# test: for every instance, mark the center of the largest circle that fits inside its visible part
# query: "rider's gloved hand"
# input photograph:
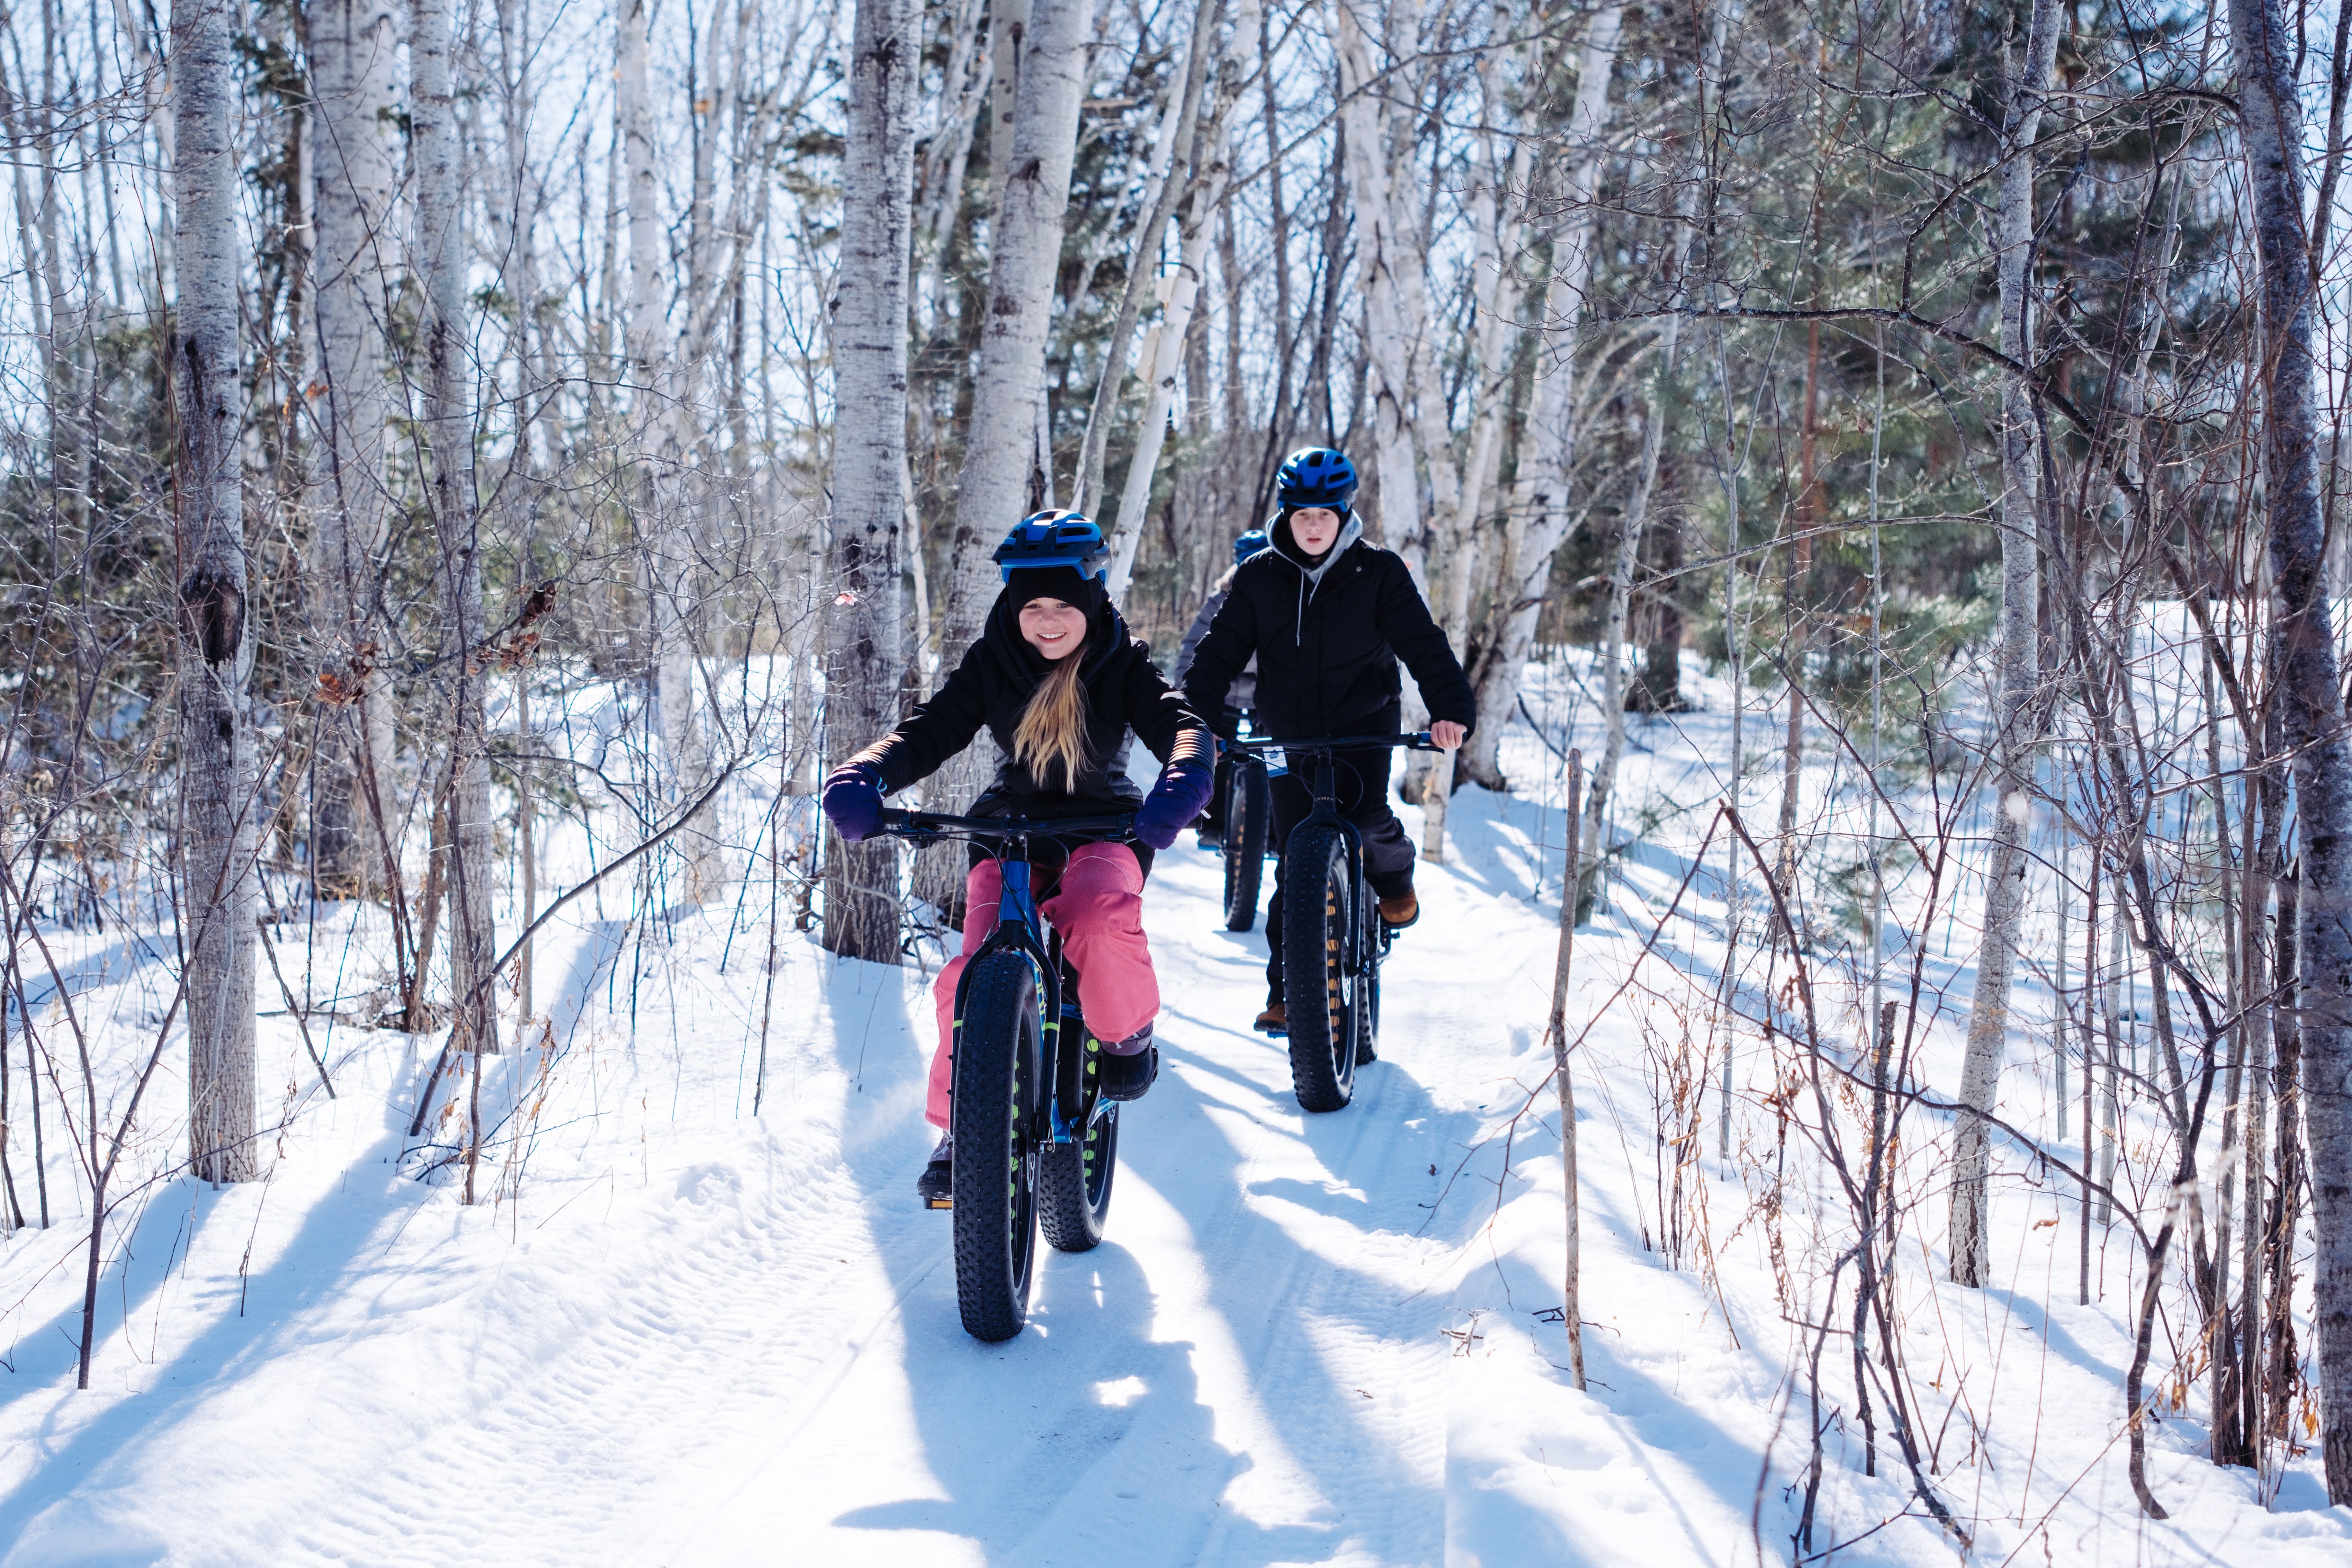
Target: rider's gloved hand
(1183, 788)
(853, 799)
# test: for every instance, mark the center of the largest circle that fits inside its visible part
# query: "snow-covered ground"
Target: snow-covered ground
(675, 1333)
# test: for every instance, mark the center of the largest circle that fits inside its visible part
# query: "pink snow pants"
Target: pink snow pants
(1098, 906)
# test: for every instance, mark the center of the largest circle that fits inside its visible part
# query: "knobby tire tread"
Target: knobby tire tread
(995, 1260)
(1073, 1220)
(1315, 937)
(1248, 808)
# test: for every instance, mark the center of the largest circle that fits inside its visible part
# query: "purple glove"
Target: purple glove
(1183, 788)
(853, 799)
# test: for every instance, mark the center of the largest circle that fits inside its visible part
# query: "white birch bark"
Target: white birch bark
(448, 426)
(1538, 516)
(354, 81)
(1035, 149)
(1213, 166)
(666, 541)
(1008, 54)
(1178, 129)
(864, 640)
(217, 788)
(1389, 265)
(2263, 45)
(970, 71)
(2013, 674)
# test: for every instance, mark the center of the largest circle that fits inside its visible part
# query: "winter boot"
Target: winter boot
(1129, 1067)
(936, 1186)
(1399, 912)
(1273, 1021)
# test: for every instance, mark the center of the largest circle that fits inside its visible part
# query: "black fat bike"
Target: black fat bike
(1248, 832)
(1035, 1143)
(1333, 939)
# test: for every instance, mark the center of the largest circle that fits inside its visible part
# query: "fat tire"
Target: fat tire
(1373, 946)
(998, 1059)
(1318, 982)
(1073, 1180)
(1248, 808)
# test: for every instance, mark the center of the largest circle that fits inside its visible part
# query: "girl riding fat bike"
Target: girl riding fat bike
(1059, 682)
(1327, 616)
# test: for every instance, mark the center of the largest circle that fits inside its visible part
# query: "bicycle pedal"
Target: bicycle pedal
(938, 1203)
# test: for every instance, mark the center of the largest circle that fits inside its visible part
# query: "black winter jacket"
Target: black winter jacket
(992, 687)
(1242, 693)
(1327, 643)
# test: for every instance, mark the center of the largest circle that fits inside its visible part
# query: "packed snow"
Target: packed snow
(675, 1332)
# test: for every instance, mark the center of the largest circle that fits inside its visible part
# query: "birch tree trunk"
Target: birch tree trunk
(1620, 600)
(217, 788)
(2265, 47)
(351, 46)
(1388, 264)
(448, 427)
(1539, 515)
(969, 71)
(1143, 256)
(2013, 674)
(863, 640)
(665, 542)
(1042, 64)
(1211, 166)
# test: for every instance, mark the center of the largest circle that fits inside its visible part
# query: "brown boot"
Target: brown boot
(1273, 1021)
(1399, 912)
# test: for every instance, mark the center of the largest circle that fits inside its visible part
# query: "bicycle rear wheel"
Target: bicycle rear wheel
(1371, 944)
(1248, 809)
(1074, 1178)
(1319, 981)
(998, 1054)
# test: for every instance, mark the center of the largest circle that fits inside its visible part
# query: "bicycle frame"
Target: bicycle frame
(1325, 788)
(1021, 927)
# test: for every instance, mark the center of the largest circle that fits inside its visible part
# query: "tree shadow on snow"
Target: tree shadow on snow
(79, 1461)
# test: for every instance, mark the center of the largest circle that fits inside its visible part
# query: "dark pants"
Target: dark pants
(1361, 791)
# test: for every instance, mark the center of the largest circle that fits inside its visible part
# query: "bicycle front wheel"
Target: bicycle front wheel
(998, 1053)
(1319, 982)
(1248, 809)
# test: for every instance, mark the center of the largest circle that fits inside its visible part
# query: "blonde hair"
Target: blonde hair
(1052, 728)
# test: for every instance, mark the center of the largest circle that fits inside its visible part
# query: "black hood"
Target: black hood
(1105, 634)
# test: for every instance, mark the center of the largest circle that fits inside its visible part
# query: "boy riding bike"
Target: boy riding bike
(1326, 617)
(1059, 683)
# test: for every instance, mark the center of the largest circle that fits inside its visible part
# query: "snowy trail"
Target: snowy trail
(689, 1336)
(1235, 1361)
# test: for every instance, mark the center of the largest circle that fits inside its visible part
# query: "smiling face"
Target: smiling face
(1315, 528)
(1055, 629)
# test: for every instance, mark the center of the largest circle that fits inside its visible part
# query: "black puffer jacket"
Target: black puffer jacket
(993, 687)
(1242, 693)
(1327, 639)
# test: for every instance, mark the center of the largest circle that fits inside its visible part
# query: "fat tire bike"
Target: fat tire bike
(1037, 1144)
(1333, 939)
(1248, 826)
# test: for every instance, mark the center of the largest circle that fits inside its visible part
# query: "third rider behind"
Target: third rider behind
(1326, 617)
(1241, 696)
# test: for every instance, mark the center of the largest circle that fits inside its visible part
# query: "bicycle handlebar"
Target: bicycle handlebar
(1417, 741)
(926, 824)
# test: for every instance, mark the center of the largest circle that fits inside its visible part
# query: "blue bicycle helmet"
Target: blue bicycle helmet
(1055, 538)
(1316, 477)
(1253, 542)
